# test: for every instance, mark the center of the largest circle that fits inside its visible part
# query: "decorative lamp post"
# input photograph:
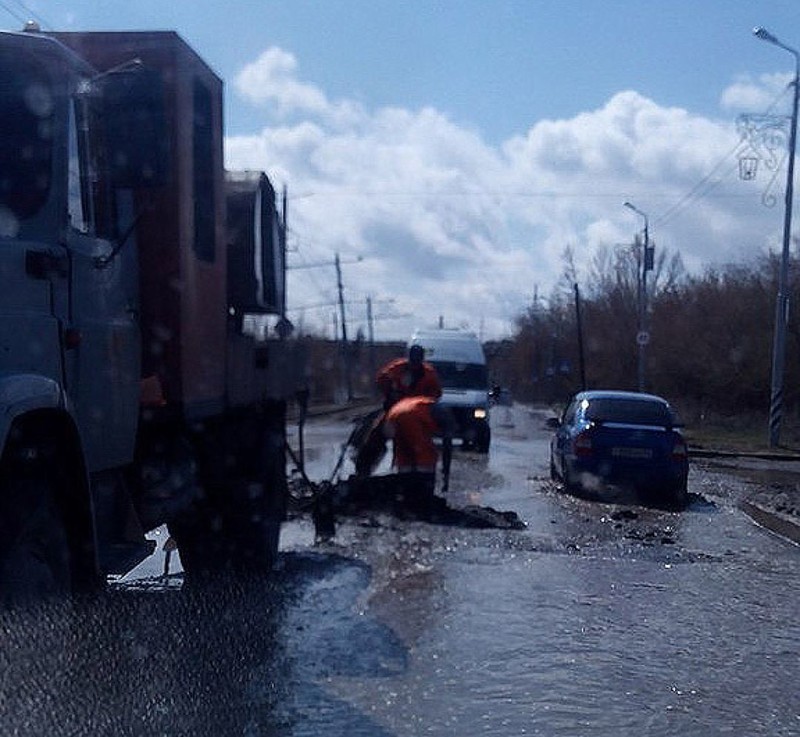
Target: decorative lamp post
(782, 302)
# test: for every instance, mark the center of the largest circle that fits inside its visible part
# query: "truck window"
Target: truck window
(89, 200)
(78, 217)
(26, 143)
(203, 167)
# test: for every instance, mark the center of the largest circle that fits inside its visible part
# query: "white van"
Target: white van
(460, 362)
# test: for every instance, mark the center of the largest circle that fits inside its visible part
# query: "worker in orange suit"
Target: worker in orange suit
(408, 377)
(400, 378)
(412, 423)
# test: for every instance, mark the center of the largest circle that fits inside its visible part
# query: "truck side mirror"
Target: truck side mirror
(135, 125)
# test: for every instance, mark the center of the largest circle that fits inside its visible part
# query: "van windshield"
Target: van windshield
(454, 375)
(26, 144)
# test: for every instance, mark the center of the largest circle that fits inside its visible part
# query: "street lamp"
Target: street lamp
(642, 336)
(782, 302)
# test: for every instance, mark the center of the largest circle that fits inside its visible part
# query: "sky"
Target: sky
(449, 151)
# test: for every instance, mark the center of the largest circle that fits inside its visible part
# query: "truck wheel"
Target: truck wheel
(34, 550)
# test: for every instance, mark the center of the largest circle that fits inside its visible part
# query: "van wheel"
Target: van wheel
(34, 549)
(484, 439)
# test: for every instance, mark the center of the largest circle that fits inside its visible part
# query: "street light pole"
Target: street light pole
(782, 301)
(643, 336)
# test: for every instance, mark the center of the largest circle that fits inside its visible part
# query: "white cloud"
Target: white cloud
(450, 225)
(755, 95)
(271, 80)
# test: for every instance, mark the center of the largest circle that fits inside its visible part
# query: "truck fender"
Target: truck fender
(24, 393)
(34, 408)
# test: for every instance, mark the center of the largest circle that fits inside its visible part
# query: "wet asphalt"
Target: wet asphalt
(597, 618)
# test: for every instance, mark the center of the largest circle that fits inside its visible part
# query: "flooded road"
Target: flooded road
(596, 619)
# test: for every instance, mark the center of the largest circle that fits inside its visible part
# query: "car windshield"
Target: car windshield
(634, 411)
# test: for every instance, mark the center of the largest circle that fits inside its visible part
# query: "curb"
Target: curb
(758, 456)
(325, 410)
(774, 522)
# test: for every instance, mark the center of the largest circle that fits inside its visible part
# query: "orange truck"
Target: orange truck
(133, 393)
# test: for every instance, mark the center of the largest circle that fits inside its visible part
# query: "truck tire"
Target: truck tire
(34, 549)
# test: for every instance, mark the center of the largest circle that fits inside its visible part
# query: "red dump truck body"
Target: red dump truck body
(181, 233)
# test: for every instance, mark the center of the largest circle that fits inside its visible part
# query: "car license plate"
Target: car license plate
(639, 453)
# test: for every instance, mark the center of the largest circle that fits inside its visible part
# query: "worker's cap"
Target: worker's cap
(416, 354)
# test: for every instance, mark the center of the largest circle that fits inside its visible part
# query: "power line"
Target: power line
(705, 185)
(22, 20)
(31, 15)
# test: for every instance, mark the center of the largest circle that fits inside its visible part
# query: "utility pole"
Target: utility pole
(337, 262)
(643, 335)
(345, 348)
(283, 245)
(580, 336)
(371, 338)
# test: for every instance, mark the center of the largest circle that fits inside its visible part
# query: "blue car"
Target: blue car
(620, 439)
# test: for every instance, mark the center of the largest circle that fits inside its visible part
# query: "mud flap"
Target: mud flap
(234, 524)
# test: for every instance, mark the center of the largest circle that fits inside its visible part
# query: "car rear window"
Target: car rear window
(634, 411)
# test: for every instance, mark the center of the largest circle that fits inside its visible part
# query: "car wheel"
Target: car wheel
(570, 485)
(679, 497)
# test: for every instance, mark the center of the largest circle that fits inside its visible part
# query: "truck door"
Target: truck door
(103, 358)
(33, 265)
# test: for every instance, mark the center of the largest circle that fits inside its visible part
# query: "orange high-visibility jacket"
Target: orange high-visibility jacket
(410, 423)
(396, 380)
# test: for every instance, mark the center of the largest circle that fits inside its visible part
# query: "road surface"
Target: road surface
(596, 619)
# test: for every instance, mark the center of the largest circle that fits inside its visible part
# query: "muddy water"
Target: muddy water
(599, 618)
(596, 619)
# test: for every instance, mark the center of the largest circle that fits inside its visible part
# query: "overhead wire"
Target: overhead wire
(20, 19)
(31, 14)
(705, 185)
(325, 293)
